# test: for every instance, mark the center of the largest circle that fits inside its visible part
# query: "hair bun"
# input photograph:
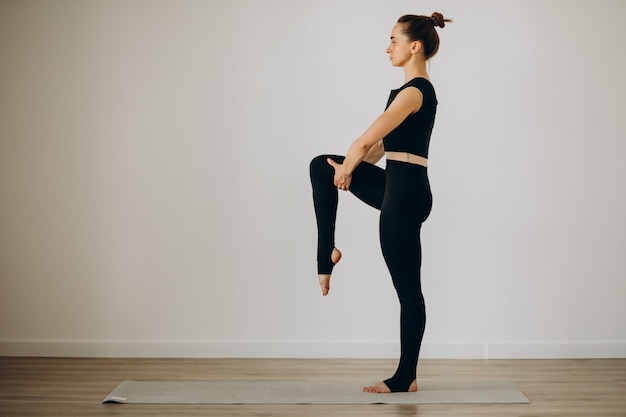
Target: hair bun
(438, 20)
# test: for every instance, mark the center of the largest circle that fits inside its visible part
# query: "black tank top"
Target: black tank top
(413, 134)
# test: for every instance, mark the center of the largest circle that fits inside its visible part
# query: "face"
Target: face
(401, 49)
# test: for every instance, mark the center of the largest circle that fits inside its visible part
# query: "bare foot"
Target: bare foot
(335, 256)
(382, 388)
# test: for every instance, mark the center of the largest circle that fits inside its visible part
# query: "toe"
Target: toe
(324, 284)
(379, 388)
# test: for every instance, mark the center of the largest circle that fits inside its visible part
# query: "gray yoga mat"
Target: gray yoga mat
(430, 392)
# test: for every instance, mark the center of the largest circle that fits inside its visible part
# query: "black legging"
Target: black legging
(402, 194)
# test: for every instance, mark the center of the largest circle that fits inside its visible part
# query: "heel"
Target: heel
(335, 256)
(325, 265)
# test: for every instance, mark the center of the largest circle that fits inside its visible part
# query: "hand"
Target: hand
(342, 179)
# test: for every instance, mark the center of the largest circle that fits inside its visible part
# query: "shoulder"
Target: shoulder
(408, 100)
(424, 86)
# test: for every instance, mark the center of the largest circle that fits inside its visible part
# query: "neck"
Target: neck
(415, 69)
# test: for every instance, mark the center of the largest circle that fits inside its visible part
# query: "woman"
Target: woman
(401, 191)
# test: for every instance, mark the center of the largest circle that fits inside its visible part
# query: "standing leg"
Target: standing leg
(406, 205)
(403, 256)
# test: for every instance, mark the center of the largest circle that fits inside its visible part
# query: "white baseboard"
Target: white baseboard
(367, 350)
(557, 350)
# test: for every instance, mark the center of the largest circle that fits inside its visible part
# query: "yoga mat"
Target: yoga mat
(430, 392)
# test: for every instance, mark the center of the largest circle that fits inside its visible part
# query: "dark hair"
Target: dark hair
(422, 28)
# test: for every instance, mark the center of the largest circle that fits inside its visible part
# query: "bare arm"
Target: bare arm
(407, 102)
(375, 153)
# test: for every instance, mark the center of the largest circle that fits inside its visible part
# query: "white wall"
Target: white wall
(154, 191)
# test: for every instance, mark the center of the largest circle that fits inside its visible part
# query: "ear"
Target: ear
(416, 47)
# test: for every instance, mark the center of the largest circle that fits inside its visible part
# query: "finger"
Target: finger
(332, 163)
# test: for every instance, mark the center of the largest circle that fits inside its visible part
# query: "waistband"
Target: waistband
(406, 157)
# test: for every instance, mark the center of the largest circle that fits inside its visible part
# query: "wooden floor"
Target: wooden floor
(75, 387)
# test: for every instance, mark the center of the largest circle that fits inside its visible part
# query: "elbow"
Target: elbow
(362, 146)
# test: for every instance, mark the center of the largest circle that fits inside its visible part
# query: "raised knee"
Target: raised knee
(318, 163)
